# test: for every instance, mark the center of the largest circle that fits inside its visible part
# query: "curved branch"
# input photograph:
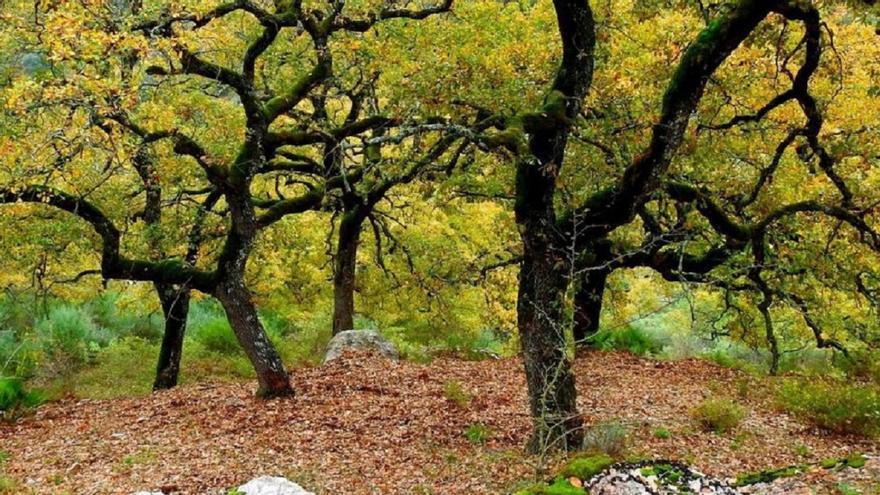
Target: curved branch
(366, 23)
(113, 265)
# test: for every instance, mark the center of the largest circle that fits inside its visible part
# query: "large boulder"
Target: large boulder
(272, 485)
(655, 478)
(370, 340)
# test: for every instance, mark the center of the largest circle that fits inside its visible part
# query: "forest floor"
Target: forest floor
(369, 426)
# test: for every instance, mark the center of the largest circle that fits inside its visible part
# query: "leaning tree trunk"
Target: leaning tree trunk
(175, 307)
(236, 299)
(244, 320)
(588, 305)
(344, 272)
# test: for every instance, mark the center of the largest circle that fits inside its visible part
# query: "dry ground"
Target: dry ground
(368, 426)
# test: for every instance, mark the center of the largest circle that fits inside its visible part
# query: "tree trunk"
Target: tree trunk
(772, 342)
(236, 299)
(344, 272)
(588, 305)
(243, 318)
(551, 384)
(175, 307)
(542, 279)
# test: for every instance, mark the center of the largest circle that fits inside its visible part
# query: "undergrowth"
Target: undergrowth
(848, 408)
(630, 339)
(718, 415)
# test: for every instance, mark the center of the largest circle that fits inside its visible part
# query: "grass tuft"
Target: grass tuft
(718, 415)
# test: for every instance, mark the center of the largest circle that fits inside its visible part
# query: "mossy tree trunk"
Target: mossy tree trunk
(175, 308)
(544, 271)
(238, 303)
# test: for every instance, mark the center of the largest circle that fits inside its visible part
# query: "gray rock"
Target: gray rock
(272, 485)
(655, 478)
(362, 340)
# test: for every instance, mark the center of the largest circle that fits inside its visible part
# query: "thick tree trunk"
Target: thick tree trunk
(588, 305)
(542, 280)
(236, 299)
(551, 384)
(344, 272)
(175, 307)
(243, 318)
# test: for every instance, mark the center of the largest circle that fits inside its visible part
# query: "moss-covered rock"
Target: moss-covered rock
(768, 475)
(854, 461)
(586, 466)
(560, 486)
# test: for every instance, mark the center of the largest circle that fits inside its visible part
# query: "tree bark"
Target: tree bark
(236, 299)
(588, 305)
(175, 307)
(242, 314)
(551, 384)
(345, 271)
(543, 274)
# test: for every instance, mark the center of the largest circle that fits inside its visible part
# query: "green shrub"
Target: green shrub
(421, 341)
(486, 343)
(17, 314)
(454, 392)
(722, 358)
(277, 326)
(303, 344)
(863, 365)
(69, 336)
(108, 311)
(478, 433)
(833, 405)
(19, 356)
(202, 311)
(200, 363)
(718, 415)
(14, 398)
(608, 437)
(631, 339)
(125, 368)
(217, 336)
